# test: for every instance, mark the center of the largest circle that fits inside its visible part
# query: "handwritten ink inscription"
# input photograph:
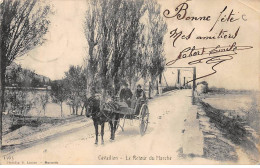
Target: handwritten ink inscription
(214, 55)
(181, 12)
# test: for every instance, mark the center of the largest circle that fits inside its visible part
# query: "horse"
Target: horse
(101, 116)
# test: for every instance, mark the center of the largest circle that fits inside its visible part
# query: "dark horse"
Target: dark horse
(100, 117)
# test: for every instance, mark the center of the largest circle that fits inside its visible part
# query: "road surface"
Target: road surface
(162, 143)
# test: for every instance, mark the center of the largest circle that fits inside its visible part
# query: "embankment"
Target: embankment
(233, 128)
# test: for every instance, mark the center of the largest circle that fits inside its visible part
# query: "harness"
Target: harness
(110, 106)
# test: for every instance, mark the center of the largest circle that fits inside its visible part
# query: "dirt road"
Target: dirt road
(162, 143)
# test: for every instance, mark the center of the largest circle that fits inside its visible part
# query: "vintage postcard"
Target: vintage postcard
(130, 82)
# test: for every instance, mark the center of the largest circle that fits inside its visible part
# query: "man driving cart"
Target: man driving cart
(126, 95)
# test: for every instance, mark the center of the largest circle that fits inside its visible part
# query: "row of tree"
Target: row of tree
(125, 43)
(71, 90)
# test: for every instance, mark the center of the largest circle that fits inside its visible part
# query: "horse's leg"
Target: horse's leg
(96, 131)
(112, 130)
(115, 124)
(102, 133)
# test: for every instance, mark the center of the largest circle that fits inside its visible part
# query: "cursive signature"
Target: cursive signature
(220, 55)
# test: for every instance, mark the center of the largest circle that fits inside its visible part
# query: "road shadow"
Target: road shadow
(131, 130)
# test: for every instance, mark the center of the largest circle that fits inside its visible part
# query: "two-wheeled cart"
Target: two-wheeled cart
(139, 112)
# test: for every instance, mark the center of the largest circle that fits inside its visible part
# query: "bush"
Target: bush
(169, 88)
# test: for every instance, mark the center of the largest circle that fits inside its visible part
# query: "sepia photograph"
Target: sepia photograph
(129, 82)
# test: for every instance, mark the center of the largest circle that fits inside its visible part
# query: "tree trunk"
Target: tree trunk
(77, 107)
(44, 111)
(2, 93)
(82, 110)
(73, 110)
(160, 84)
(151, 87)
(61, 112)
(1, 104)
(150, 90)
(157, 87)
(2, 76)
(103, 99)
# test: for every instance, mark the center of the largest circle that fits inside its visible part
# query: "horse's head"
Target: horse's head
(88, 110)
(92, 107)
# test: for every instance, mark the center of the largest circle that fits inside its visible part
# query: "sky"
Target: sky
(66, 44)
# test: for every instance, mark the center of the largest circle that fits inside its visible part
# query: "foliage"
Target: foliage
(121, 45)
(18, 100)
(76, 84)
(169, 88)
(22, 77)
(156, 31)
(23, 23)
(59, 92)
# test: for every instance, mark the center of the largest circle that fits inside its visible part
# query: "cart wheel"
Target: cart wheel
(121, 124)
(143, 119)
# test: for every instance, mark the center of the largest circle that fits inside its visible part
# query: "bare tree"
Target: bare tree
(126, 30)
(110, 29)
(145, 57)
(44, 98)
(99, 34)
(23, 25)
(134, 65)
(92, 33)
(156, 31)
